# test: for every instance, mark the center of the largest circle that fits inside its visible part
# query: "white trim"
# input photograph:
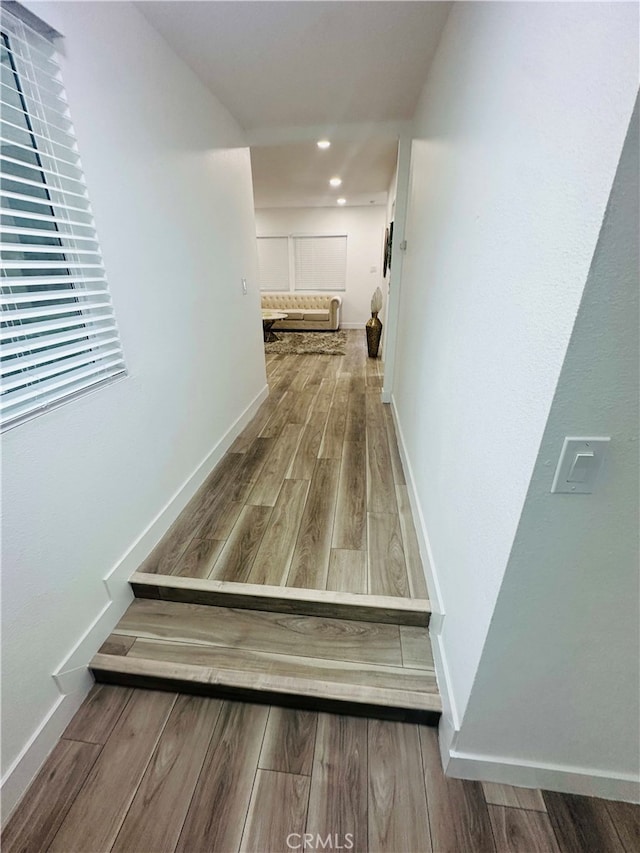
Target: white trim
(450, 720)
(353, 325)
(72, 678)
(554, 777)
(435, 596)
(26, 766)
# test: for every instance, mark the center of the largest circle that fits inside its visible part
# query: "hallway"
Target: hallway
(149, 772)
(312, 494)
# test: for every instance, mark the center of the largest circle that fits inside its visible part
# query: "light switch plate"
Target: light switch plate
(579, 464)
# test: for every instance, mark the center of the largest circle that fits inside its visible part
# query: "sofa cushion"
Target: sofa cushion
(292, 315)
(316, 314)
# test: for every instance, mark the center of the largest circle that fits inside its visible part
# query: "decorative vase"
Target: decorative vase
(373, 329)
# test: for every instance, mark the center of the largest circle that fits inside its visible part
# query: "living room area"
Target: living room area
(324, 222)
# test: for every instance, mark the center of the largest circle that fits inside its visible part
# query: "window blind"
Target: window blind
(58, 333)
(273, 263)
(320, 262)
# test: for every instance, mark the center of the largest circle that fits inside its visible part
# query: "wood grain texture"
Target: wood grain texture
(397, 815)
(458, 814)
(333, 438)
(116, 645)
(289, 741)
(512, 797)
(350, 527)
(37, 818)
(265, 491)
(277, 812)
(251, 466)
(396, 462)
(347, 571)
(325, 394)
(309, 636)
(387, 570)
(356, 425)
(220, 525)
(522, 831)
(303, 693)
(310, 562)
(287, 665)
(236, 557)
(99, 712)
(160, 805)
(246, 438)
(94, 819)
(199, 558)
(272, 561)
(626, 819)
(582, 824)
(197, 512)
(381, 492)
(276, 423)
(413, 561)
(312, 602)
(300, 406)
(338, 796)
(416, 648)
(220, 801)
(306, 455)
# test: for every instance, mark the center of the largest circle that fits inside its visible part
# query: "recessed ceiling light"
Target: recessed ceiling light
(335, 182)
(323, 143)
(342, 201)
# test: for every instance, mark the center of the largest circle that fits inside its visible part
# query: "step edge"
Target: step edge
(375, 608)
(236, 679)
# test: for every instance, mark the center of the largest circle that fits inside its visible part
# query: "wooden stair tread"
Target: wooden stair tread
(308, 688)
(295, 659)
(284, 633)
(285, 665)
(318, 602)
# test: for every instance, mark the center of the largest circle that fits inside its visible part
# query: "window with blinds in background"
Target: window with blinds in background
(58, 333)
(320, 263)
(273, 263)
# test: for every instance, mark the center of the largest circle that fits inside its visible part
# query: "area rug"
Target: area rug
(308, 343)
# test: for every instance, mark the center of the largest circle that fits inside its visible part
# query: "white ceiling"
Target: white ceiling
(298, 175)
(283, 67)
(305, 63)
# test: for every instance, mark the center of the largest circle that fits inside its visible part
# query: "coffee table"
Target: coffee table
(268, 319)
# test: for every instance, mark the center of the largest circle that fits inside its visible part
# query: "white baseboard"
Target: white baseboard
(353, 325)
(465, 765)
(24, 769)
(72, 678)
(435, 596)
(450, 720)
(528, 774)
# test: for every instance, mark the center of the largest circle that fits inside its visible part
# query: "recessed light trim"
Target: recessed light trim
(335, 182)
(323, 143)
(341, 201)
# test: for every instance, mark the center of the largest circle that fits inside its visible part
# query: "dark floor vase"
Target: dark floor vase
(374, 333)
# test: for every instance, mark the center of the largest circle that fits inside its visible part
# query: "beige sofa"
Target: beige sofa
(305, 313)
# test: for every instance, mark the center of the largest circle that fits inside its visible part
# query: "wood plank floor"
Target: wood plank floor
(181, 773)
(312, 494)
(321, 662)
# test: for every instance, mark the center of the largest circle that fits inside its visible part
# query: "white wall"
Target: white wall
(520, 129)
(172, 197)
(364, 227)
(562, 649)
